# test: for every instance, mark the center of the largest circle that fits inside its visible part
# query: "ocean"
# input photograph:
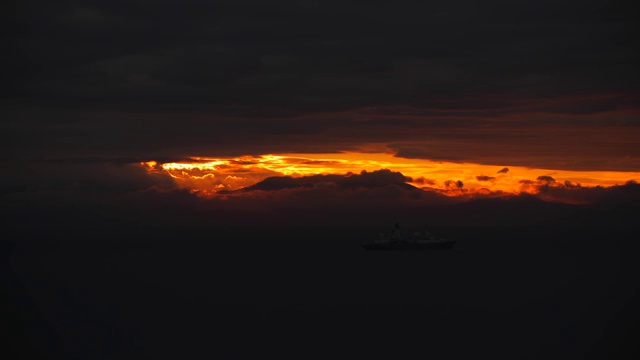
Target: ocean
(168, 293)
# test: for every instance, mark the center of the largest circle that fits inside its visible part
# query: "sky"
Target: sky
(313, 112)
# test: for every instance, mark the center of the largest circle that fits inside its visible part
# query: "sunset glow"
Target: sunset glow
(207, 176)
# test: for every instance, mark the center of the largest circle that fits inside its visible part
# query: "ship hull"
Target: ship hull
(435, 245)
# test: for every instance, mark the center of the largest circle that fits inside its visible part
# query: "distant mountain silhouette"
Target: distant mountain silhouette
(374, 179)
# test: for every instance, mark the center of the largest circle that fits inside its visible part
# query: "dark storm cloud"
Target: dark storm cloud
(241, 55)
(149, 79)
(516, 140)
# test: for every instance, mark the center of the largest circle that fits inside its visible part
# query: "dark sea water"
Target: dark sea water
(512, 293)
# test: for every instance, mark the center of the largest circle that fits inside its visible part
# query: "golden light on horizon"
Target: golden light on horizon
(207, 176)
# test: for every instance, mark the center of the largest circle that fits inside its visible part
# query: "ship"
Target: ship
(398, 239)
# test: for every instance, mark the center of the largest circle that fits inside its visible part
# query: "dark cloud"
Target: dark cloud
(546, 179)
(548, 189)
(503, 171)
(36, 133)
(335, 54)
(110, 194)
(574, 193)
(284, 58)
(374, 179)
(485, 178)
(423, 181)
(454, 184)
(83, 177)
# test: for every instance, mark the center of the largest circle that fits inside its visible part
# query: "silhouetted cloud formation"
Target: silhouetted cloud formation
(109, 193)
(421, 180)
(546, 178)
(485, 178)
(454, 184)
(374, 179)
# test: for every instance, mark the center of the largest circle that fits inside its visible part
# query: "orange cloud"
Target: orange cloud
(93, 193)
(208, 177)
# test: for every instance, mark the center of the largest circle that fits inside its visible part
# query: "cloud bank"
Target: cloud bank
(115, 194)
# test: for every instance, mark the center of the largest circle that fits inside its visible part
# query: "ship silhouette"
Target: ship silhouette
(398, 239)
